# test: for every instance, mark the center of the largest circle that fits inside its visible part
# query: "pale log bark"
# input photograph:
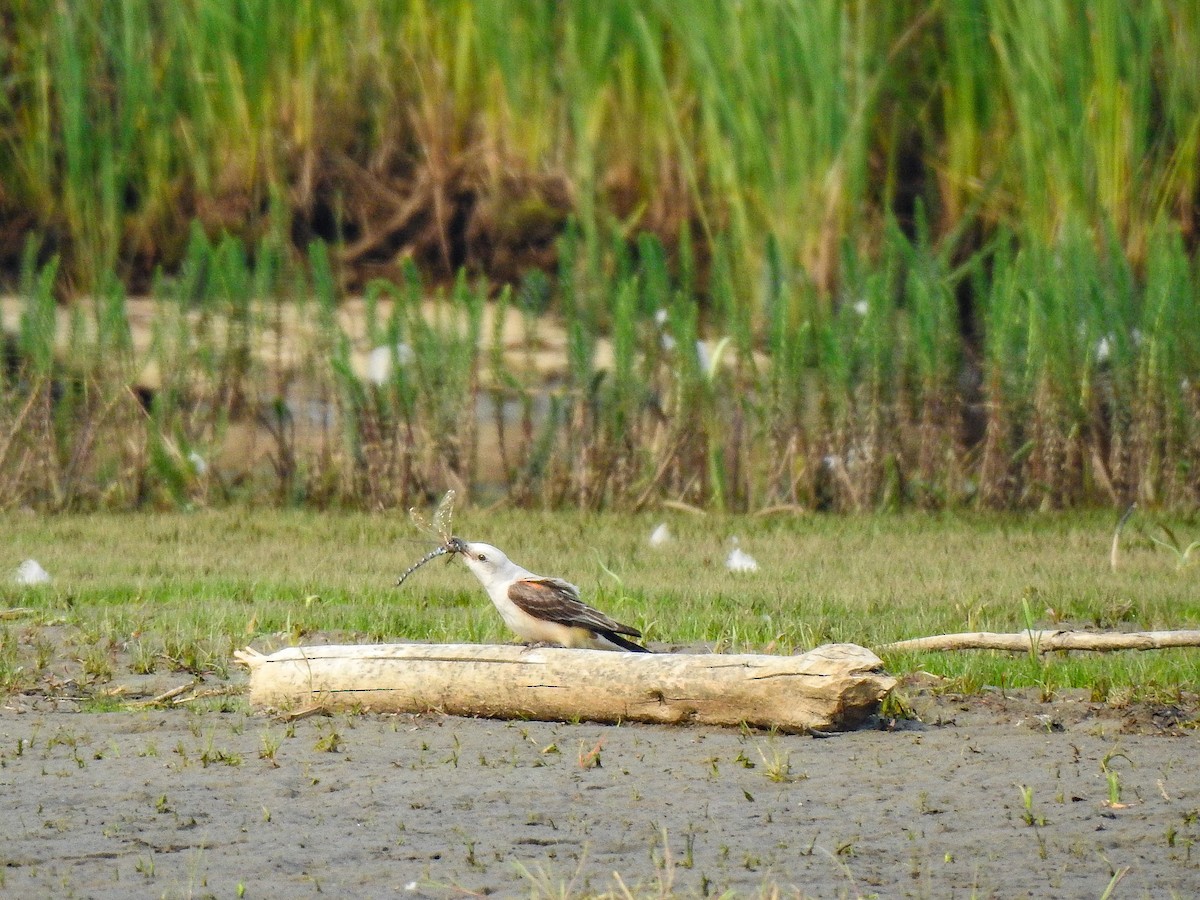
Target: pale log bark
(1049, 641)
(832, 687)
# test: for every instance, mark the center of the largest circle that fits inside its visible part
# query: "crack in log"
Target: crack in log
(458, 660)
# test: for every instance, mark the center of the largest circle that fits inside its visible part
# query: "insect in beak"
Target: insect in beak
(440, 529)
(453, 546)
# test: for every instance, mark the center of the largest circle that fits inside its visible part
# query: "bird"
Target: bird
(541, 609)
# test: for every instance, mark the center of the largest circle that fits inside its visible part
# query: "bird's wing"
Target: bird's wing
(555, 600)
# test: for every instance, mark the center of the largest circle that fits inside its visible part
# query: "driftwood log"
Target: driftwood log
(1049, 641)
(833, 687)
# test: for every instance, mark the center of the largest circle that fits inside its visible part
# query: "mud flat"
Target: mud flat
(992, 795)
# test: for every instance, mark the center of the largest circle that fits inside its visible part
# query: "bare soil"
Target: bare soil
(185, 801)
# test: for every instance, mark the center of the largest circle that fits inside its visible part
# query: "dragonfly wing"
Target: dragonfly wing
(444, 516)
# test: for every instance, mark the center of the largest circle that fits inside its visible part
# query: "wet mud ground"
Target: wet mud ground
(989, 796)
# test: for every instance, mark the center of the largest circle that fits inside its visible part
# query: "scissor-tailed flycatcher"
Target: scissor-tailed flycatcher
(542, 609)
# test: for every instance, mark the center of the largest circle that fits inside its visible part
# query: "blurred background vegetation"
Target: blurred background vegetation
(848, 255)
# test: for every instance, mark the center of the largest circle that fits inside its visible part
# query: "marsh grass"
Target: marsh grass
(940, 254)
(808, 121)
(196, 586)
(252, 378)
(936, 255)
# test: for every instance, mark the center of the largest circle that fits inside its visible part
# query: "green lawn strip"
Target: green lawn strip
(144, 594)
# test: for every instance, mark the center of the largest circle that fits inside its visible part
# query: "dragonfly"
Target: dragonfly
(438, 529)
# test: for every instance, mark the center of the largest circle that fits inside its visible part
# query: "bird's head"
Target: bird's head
(487, 562)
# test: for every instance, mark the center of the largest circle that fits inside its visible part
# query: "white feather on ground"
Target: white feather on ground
(31, 573)
(739, 560)
(660, 535)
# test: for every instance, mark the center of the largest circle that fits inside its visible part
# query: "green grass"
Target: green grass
(1084, 388)
(195, 587)
(807, 120)
(949, 246)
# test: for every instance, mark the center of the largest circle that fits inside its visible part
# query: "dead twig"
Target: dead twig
(307, 712)
(667, 459)
(225, 691)
(1116, 542)
(781, 509)
(168, 695)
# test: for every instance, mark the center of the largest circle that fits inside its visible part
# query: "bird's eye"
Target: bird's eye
(481, 558)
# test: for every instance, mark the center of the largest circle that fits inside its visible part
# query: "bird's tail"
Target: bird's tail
(624, 643)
